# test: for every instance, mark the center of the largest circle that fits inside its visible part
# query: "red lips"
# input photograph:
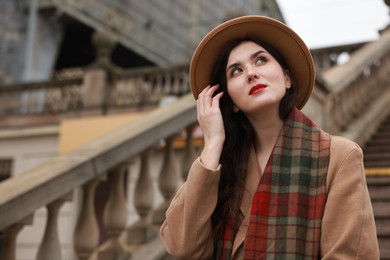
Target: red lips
(257, 88)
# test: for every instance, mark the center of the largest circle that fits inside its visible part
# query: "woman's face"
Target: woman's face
(255, 80)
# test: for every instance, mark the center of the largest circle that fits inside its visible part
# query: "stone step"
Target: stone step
(379, 164)
(373, 148)
(380, 193)
(384, 253)
(375, 163)
(383, 224)
(378, 186)
(378, 180)
(375, 156)
(382, 135)
(383, 233)
(384, 126)
(381, 209)
(384, 249)
(382, 230)
(380, 142)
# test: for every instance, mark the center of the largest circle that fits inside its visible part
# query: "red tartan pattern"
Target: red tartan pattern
(288, 204)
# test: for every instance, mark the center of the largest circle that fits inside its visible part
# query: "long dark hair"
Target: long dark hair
(239, 139)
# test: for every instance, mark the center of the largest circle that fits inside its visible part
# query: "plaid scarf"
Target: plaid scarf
(289, 202)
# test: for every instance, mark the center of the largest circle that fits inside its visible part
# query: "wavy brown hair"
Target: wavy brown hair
(239, 139)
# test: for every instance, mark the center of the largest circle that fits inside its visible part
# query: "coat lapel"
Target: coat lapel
(251, 183)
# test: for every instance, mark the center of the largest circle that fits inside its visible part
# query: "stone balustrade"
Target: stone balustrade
(108, 158)
(354, 86)
(41, 97)
(138, 87)
(77, 90)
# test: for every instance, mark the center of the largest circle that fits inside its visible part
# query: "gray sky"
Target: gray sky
(324, 23)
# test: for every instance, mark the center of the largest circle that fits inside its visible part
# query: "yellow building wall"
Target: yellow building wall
(76, 132)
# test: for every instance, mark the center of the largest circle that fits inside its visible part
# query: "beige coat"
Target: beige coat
(348, 227)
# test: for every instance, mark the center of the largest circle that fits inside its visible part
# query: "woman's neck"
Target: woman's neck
(266, 128)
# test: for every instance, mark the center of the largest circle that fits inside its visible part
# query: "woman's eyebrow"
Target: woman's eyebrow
(232, 66)
(253, 55)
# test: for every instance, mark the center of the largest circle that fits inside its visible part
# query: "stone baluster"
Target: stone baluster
(167, 83)
(50, 246)
(158, 85)
(181, 83)
(10, 234)
(175, 79)
(358, 96)
(349, 106)
(341, 111)
(178, 83)
(141, 232)
(385, 70)
(331, 120)
(189, 152)
(185, 82)
(360, 86)
(375, 82)
(367, 95)
(139, 94)
(115, 216)
(346, 107)
(86, 234)
(336, 114)
(167, 181)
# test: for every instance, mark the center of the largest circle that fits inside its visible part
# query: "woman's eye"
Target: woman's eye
(235, 71)
(260, 60)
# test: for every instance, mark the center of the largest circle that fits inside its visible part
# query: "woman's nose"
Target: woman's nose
(252, 76)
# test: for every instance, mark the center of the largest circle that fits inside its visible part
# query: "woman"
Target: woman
(269, 183)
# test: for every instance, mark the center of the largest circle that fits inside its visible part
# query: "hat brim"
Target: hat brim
(271, 31)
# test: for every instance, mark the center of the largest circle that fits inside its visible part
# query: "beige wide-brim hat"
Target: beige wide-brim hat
(271, 31)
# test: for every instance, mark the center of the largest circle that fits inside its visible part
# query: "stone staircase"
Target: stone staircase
(379, 188)
(377, 163)
(377, 149)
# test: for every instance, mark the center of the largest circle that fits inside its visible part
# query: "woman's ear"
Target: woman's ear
(235, 109)
(287, 79)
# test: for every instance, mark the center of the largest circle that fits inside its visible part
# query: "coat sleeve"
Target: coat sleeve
(187, 233)
(348, 227)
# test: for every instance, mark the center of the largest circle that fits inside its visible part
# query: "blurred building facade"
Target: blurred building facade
(60, 60)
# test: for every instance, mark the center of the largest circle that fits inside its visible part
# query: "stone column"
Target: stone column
(98, 77)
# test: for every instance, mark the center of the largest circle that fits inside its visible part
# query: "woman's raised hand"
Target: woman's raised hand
(211, 122)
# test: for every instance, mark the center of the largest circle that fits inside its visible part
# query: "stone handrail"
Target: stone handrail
(51, 183)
